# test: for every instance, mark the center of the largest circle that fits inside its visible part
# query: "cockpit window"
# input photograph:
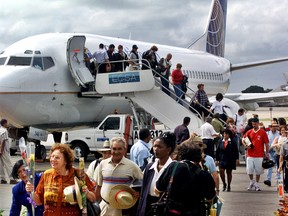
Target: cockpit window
(37, 63)
(48, 62)
(3, 60)
(23, 61)
(43, 63)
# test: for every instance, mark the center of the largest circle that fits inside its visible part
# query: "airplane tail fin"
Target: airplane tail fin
(213, 38)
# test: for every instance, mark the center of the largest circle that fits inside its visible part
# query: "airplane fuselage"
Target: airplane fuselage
(45, 96)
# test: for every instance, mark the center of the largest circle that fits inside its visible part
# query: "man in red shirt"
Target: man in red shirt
(255, 152)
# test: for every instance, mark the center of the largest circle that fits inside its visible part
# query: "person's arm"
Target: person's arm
(97, 193)
(275, 142)
(215, 177)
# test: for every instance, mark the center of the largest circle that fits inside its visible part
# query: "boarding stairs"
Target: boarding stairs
(144, 89)
(140, 86)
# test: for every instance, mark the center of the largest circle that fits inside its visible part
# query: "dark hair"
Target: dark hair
(282, 121)
(3, 121)
(227, 131)
(66, 151)
(144, 133)
(188, 151)
(111, 46)
(101, 45)
(15, 169)
(216, 115)
(186, 120)
(219, 96)
(169, 139)
(241, 110)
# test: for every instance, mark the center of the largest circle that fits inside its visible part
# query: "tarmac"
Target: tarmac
(238, 202)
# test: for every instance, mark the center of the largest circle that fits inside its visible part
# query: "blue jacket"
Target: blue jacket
(19, 198)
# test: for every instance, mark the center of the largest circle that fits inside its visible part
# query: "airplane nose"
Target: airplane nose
(9, 80)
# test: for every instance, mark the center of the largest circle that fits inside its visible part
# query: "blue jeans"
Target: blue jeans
(273, 157)
(178, 92)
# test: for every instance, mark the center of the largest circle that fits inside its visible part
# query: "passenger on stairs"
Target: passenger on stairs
(177, 77)
(134, 58)
(200, 101)
(120, 56)
(101, 58)
(165, 65)
(111, 55)
(150, 56)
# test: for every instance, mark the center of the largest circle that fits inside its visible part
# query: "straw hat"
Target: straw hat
(121, 197)
(197, 140)
(106, 146)
(72, 193)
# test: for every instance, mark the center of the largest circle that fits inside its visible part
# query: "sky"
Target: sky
(255, 30)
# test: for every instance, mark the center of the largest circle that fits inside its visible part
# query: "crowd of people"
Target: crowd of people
(180, 166)
(102, 61)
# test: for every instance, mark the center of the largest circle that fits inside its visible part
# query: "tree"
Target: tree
(256, 89)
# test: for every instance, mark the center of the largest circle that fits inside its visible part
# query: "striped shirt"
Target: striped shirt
(109, 175)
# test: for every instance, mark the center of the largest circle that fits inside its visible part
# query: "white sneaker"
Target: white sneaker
(257, 188)
(251, 186)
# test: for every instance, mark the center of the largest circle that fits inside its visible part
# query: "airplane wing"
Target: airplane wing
(249, 100)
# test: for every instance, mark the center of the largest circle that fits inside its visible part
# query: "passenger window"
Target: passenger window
(19, 61)
(112, 123)
(48, 62)
(37, 63)
(3, 60)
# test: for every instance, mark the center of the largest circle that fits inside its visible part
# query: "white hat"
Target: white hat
(121, 197)
(106, 146)
(72, 193)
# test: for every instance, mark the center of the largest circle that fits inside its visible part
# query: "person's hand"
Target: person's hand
(85, 190)
(216, 163)
(280, 169)
(136, 194)
(29, 187)
(267, 155)
(237, 162)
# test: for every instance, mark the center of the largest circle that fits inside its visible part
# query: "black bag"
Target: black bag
(93, 209)
(162, 206)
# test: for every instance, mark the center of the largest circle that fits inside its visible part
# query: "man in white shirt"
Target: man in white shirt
(208, 133)
(101, 57)
(240, 120)
(5, 161)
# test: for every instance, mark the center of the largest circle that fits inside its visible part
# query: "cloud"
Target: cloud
(256, 29)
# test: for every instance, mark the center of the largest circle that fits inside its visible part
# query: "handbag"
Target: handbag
(165, 206)
(93, 209)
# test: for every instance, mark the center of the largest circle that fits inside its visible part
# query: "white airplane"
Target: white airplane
(41, 76)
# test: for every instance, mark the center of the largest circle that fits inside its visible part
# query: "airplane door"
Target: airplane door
(75, 60)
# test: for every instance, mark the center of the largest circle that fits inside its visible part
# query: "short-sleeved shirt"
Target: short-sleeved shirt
(193, 190)
(50, 191)
(207, 131)
(284, 149)
(217, 107)
(109, 175)
(140, 151)
(101, 56)
(258, 138)
(210, 164)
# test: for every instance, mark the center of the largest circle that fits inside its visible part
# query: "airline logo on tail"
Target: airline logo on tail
(215, 43)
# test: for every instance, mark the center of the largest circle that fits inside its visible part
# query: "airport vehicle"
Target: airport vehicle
(42, 79)
(85, 141)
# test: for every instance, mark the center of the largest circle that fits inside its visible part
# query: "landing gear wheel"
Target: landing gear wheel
(40, 153)
(79, 151)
